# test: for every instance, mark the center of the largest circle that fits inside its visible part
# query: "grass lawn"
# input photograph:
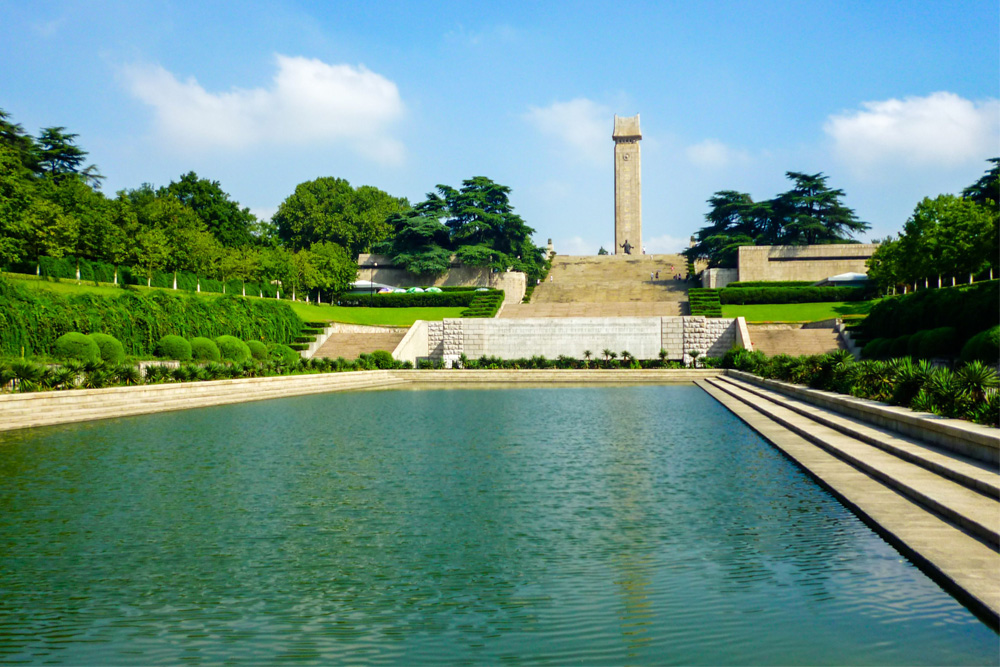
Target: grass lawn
(797, 312)
(399, 317)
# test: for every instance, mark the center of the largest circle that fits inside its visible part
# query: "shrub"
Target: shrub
(382, 359)
(916, 340)
(75, 345)
(174, 347)
(232, 348)
(751, 295)
(111, 348)
(283, 353)
(899, 347)
(940, 342)
(257, 349)
(969, 308)
(417, 300)
(204, 349)
(875, 349)
(984, 347)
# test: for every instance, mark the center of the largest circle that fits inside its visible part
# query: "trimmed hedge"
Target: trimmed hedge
(774, 295)
(984, 347)
(940, 342)
(705, 302)
(33, 320)
(174, 347)
(257, 349)
(204, 349)
(449, 299)
(875, 348)
(232, 348)
(283, 353)
(110, 347)
(75, 345)
(900, 347)
(485, 304)
(771, 283)
(968, 308)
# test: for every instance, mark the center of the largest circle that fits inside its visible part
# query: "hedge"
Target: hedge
(452, 299)
(75, 345)
(774, 283)
(232, 348)
(110, 347)
(753, 295)
(257, 349)
(968, 308)
(485, 304)
(705, 302)
(940, 342)
(283, 353)
(32, 321)
(174, 347)
(984, 347)
(204, 349)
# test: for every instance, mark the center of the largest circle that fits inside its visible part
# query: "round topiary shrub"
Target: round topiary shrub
(873, 349)
(382, 359)
(283, 353)
(232, 348)
(900, 346)
(257, 349)
(111, 349)
(916, 340)
(75, 345)
(940, 342)
(174, 347)
(984, 347)
(204, 349)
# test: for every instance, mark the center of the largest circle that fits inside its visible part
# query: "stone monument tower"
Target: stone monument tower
(628, 186)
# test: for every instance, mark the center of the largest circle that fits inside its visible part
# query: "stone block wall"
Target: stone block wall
(807, 262)
(718, 278)
(643, 337)
(513, 283)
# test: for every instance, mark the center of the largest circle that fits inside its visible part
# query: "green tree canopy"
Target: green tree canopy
(329, 209)
(231, 225)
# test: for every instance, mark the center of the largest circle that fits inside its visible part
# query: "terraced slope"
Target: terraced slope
(791, 340)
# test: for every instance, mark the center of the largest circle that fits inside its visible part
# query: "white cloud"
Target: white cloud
(713, 154)
(941, 129)
(581, 124)
(309, 103)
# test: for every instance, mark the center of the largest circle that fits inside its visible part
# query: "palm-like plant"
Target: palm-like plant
(28, 375)
(977, 380)
(608, 354)
(6, 375)
(63, 378)
(126, 374)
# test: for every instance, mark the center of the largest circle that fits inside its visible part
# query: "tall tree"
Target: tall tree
(231, 225)
(986, 191)
(813, 213)
(329, 209)
(58, 153)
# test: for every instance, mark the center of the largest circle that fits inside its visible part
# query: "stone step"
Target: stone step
(613, 279)
(976, 475)
(350, 345)
(970, 510)
(794, 342)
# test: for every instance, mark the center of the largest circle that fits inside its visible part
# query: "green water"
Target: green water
(631, 525)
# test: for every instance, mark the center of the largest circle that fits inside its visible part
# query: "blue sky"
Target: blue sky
(894, 101)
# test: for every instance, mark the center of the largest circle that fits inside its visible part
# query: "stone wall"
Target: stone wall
(718, 278)
(513, 283)
(807, 262)
(643, 337)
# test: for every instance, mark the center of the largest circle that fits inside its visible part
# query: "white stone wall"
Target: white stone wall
(643, 337)
(718, 278)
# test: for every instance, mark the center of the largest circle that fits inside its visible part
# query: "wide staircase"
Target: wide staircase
(941, 504)
(772, 339)
(352, 340)
(608, 286)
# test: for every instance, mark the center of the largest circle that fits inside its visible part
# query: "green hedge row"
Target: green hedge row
(705, 302)
(968, 308)
(772, 283)
(938, 343)
(30, 322)
(448, 299)
(485, 304)
(750, 295)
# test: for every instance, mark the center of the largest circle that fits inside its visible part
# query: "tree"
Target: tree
(421, 243)
(151, 251)
(329, 209)
(277, 265)
(231, 225)
(602, 251)
(58, 154)
(335, 269)
(811, 212)
(986, 191)
(19, 143)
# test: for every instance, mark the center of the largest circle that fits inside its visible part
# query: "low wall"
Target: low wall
(643, 337)
(718, 278)
(807, 262)
(513, 283)
(48, 408)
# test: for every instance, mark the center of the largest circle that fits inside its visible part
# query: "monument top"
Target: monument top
(627, 127)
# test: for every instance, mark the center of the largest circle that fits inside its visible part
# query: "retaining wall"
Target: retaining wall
(513, 283)
(806, 262)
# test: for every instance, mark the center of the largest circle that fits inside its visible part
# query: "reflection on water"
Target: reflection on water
(630, 525)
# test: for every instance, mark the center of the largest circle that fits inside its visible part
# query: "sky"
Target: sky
(892, 100)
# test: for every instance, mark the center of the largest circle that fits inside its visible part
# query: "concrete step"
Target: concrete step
(613, 279)
(964, 507)
(976, 475)
(350, 345)
(630, 309)
(794, 342)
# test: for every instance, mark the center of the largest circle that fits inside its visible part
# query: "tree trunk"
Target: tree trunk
(970, 277)
(293, 294)
(149, 281)
(939, 281)
(953, 281)
(175, 280)
(927, 283)
(116, 275)
(38, 269)
(77, 270)
(197, 287)
(244, 289)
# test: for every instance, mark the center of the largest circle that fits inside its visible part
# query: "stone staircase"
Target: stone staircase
(348, 341)
(607, 286)
(772, 339)
(942, 509)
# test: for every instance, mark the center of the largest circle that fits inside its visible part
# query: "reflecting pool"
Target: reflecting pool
(611, 525)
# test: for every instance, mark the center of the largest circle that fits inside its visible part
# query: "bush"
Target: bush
(753, 295)
(916, 340)
(771, 283)
(382, 359)
(984, 347)
(451, 299)
(969, 308)
(111, 348)
(204, 349)
(232, 348)
(900, 347)
(257, 349)
(174, 347)
(875, 349)
(940, 342)
(284, 353)
(75, 345)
